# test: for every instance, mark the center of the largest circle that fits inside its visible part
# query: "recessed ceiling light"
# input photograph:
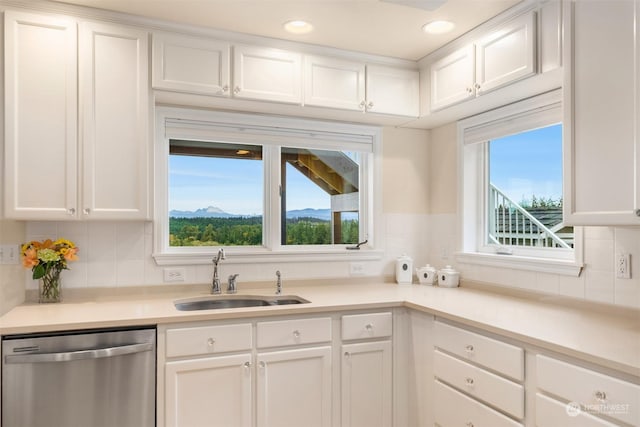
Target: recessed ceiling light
(298, 27)
(438, 27)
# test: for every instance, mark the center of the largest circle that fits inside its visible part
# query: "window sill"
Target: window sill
(252, 257)
(561, 267)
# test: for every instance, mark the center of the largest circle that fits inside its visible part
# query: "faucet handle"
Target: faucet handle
(231, 288)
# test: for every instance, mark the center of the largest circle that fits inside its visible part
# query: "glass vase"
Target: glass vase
(50, 286)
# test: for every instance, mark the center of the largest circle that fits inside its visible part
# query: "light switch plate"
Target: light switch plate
(9, 254)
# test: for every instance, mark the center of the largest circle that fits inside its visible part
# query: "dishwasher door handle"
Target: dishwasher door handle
(68, 356)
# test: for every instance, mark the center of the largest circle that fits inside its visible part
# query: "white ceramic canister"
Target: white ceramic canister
(427, 275)
(404, 270)
(448, 277)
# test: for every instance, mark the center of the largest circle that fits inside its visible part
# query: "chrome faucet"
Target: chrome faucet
(215, 286)
(231, 287)
(278, 283)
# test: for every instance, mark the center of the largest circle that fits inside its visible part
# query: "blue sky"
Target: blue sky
(233, 185)
(528, 164)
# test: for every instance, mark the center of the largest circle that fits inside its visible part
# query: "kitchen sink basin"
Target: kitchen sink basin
(236, 301)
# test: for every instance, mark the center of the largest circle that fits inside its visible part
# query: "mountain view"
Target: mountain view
(211, 226)
(215, 212)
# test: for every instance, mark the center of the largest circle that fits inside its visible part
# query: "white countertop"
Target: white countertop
(608, 336)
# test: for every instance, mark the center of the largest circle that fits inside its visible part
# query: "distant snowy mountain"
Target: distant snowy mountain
(210, 212)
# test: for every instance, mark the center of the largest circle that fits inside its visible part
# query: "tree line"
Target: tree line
(247, 231)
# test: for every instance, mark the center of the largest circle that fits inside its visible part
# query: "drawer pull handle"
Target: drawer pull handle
(600, 395)
(469, 382)
(469, 348)
(369, 327)
(296, 334)
(211, 342)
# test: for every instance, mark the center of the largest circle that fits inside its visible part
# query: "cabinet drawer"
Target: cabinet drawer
(477, 382)
(597, 393)
(453, 408)
(551, 413)
(208, 339)
(294, 332)
(496, 355)
(371, 325)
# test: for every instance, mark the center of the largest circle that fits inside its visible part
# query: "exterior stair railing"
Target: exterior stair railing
(511, 224)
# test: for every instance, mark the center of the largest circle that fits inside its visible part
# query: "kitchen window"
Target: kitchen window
(511, 189)
(263, 188)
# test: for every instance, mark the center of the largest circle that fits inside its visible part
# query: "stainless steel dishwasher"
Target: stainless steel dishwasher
(102, 378)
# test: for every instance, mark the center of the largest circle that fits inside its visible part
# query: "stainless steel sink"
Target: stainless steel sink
(236, 301)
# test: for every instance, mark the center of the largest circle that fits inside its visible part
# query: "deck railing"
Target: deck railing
(511, 224)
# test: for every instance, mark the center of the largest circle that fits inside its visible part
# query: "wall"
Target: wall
(118, 254)
(597, 282)
(11, 276)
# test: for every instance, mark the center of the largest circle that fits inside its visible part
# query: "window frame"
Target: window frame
(271, 133)
(473, 135)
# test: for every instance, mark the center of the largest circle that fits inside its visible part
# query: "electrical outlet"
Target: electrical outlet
(356, 269)
(623, 266)
(174, 274)
(9, 254)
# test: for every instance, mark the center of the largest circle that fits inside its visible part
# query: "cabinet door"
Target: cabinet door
(507, 54)
(40, 58)
(452, 78)
(211, 392)
(294, 388)
(601, 112)
(114, 96)
(366, 384)
(191, 64)
(267, 74)
(392, 91)
(334, 83)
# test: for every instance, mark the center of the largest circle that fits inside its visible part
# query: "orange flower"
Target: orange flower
(30, 258)
(70, 254)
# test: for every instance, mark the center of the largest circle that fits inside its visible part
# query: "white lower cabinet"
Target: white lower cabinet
(294, 388)
(366, 384)
(366, 370)
(589, 393)
(478, 379)
(213, 391)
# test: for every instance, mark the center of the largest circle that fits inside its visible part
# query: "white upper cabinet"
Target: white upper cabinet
(40, 110)
(114, 96)
(453, 78)
(392, 91)
(267, 74)
(602, 154)
(503, 56)
(191, 64)
(334, 83)
(507, 54)
(350, 85)
(51, 172)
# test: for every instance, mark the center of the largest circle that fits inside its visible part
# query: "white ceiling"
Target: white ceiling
(370, 26)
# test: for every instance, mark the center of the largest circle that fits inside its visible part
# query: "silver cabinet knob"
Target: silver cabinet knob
(211, 342)
(347, 355)
(225, 88)
(600, 395)
(637, 212)
(247, 365)
(469, 424)
(369, 105)
(71, 211)
(369, 327)
(477, 86)
(236, 89)
(362, 105)
(86, 211)
(296, 334)
(469, 382)
(470, 90)
(469, 348)
(262, 364)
